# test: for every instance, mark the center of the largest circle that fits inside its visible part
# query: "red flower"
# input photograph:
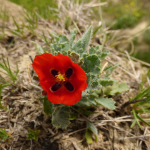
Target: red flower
(62, 79)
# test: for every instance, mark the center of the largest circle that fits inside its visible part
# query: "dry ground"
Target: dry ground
(26, 112)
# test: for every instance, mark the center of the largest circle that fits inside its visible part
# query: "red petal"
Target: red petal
(70, 98)
(46, 85)
(64, 61)
(78, 78)
(42, 65)
(63, 96)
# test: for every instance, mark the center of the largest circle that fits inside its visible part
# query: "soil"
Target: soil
(26, 112)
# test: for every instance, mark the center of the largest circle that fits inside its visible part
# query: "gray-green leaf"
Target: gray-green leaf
(72, 38)
(116, 88)
(93, 129)
(86, 102)
(60, 117)
(107, 81)
(39, 48)
(88, 136)
(86, 38)
(91, 64)
(48, 106)
(106, 102)
(110, 69)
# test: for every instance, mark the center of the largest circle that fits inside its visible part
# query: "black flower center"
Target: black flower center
(69, 72)
(56, 86)
(69, 86)
(66, 83)
(54, 72)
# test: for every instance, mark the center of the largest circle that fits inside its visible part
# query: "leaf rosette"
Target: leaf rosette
(98, 83)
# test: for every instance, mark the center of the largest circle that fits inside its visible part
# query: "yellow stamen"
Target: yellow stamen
(60, 77)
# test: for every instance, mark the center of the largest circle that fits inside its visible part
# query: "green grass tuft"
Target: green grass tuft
(142, 55)
(4, 15)
(146, 36)
(43, 8)
(126, 13)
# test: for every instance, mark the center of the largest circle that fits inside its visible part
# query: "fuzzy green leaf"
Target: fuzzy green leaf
(93, 50)
(91, 64)
(65, 49)
(39, 48)
(89, 76)
(116, 88)
(97, 50)
(55, 36)
(77, 48)
(88, 136)
(62, 39)
(60, 117)
(106, 102)
(48, 106)
(110, 69)
(56, 48)
(86, 102)
(94, 94)
(92, 128)
(86, 38)
(104, 54)
(107, 81)
(61, 47)
(3, 135)
(81, 45)
(94, 84)
(72, 38)
(33, 134)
